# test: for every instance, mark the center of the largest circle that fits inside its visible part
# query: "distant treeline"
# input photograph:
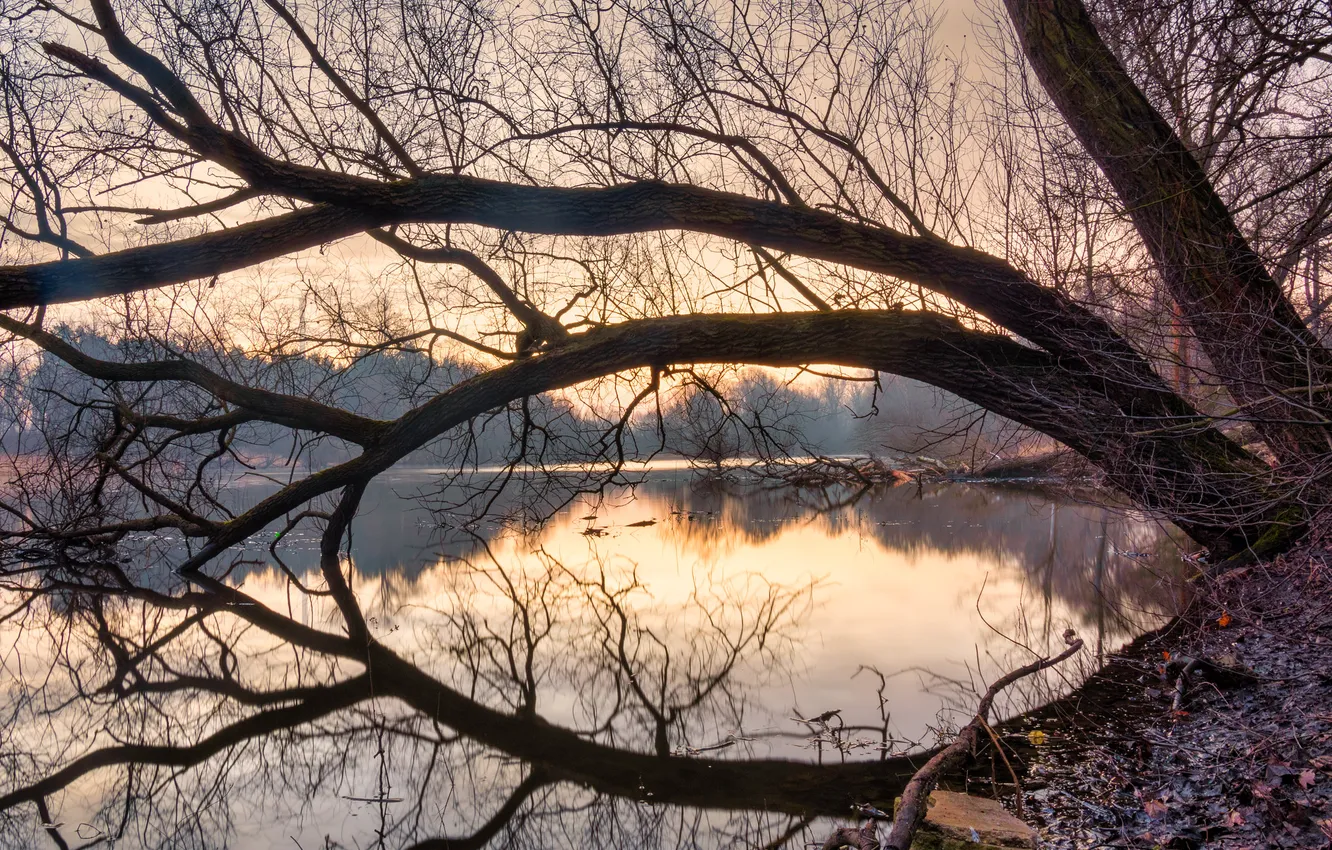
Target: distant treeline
(709, 416)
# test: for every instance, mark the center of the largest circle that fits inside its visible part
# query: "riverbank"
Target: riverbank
(1238, 755)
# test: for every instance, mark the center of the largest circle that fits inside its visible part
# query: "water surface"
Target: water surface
(685, 619)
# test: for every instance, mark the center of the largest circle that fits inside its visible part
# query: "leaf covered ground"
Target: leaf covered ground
(1242, 759)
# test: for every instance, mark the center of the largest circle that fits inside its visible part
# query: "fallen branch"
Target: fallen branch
(911, 811)
(1187, 668)
(1182, 685)
(822, 472)
(857, 838)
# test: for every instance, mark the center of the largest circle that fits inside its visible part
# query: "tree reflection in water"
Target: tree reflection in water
(591, 682)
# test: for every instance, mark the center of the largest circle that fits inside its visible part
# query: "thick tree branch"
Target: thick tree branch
(330, 562)
(982, 282)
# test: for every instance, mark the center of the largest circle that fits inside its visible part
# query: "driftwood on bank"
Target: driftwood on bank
(826, 472)
(860, 838)
(911, 810)
(1185, 668)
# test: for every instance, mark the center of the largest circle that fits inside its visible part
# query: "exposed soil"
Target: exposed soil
(1242, 759)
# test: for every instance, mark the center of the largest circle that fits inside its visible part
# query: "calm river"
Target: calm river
(687, 619)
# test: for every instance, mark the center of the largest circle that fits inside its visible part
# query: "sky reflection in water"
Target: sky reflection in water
(699, 619)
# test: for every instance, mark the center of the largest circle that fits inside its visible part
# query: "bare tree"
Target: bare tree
(626, 132)
(517, 209)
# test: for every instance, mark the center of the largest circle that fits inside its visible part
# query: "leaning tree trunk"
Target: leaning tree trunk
(1270, 362)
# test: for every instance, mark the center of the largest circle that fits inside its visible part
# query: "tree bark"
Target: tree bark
(1271, 363)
